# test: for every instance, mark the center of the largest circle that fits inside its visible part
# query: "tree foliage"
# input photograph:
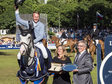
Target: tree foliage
(63, 12)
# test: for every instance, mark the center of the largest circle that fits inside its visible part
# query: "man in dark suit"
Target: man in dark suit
(83, 60)
(95, 33)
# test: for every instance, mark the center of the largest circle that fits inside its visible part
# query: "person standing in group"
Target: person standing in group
(62, 77)
(83, 60)
(95, 33)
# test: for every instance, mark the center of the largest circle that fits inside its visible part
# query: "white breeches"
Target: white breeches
(43, 49)
(39, 45)
(97, 41)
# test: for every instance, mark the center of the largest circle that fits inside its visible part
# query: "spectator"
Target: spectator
(73, 35)
(69, 35)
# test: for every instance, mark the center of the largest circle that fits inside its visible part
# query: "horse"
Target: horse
(92, 46)
(66, 42)
(56, 40)
(72, 44)
(33, 67)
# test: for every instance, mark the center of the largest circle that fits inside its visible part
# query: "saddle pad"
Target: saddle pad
(64, 41)
(69, 67)
(55, 67)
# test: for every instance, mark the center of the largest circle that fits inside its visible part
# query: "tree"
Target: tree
(7, 14)
(59, 11)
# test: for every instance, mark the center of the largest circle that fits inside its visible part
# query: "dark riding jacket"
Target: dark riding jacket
(63, 35)
(94, 34)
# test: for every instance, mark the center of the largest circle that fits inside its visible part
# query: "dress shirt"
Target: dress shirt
(81, 54)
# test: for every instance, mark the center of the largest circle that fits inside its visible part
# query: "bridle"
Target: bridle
(28, 50)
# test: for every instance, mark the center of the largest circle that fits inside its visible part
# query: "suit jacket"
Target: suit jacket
(95, 34)
(85, 66)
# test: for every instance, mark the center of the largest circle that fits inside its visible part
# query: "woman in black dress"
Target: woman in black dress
(62, 77)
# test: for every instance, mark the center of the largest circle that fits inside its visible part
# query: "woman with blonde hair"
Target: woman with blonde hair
(62, 77)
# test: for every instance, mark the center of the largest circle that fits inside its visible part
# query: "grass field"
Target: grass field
(9, 68)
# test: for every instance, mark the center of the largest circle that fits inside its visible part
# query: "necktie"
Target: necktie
(77, 57)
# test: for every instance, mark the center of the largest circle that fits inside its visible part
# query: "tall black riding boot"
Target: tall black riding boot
(46, 63)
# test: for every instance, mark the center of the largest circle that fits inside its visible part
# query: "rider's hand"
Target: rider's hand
(16, 7)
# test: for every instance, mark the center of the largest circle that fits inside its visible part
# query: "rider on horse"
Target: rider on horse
(38, 31)
(34, 59)
(63, 37)
(95, 33)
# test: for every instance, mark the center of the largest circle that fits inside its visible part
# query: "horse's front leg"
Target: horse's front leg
(102, 51)
(92, 55)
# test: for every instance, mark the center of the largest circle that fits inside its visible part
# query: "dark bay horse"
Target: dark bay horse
(71, 43)
(92, 46)
(56, 40)
(33, 67)
(68, 42)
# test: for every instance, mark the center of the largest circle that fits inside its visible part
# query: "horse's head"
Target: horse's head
(87, 38)
(27, 46)
(25, 41)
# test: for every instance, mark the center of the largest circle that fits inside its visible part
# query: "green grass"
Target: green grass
(9, 68)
